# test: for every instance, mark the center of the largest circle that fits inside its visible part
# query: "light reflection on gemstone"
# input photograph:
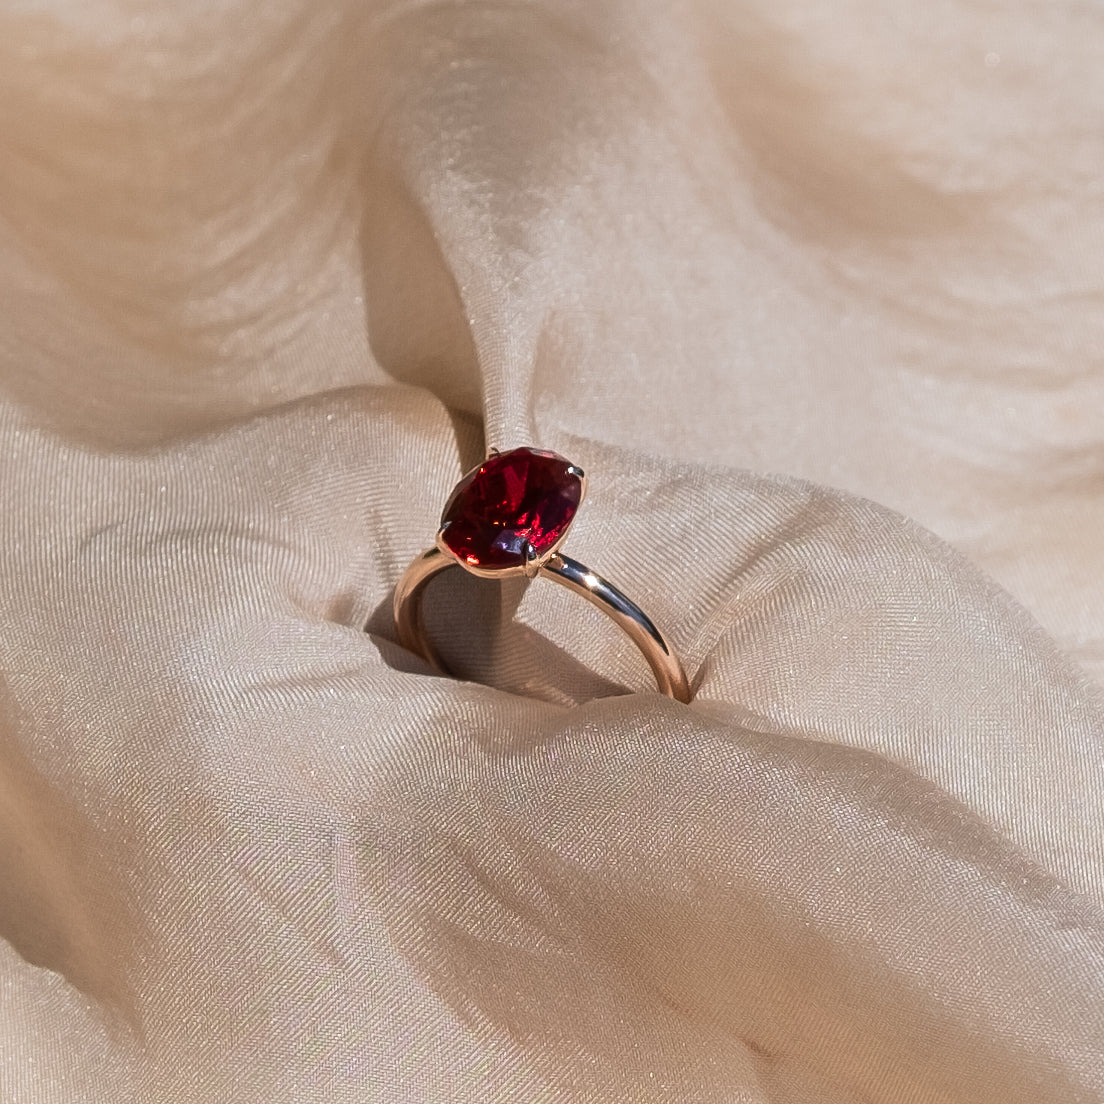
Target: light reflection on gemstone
(515, 505)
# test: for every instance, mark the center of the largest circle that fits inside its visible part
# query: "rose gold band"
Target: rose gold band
(668, 670)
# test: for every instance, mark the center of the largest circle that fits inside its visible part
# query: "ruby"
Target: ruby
(515, 497)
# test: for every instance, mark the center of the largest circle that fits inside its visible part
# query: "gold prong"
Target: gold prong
(532, 562)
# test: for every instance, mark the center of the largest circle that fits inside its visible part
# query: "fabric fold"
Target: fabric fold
(270, 281)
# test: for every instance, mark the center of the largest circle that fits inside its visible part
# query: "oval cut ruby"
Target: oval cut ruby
(512, 498)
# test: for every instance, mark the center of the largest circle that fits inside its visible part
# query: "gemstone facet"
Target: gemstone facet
(515, 507)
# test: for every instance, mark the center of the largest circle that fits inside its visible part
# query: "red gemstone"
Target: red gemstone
(511, 499)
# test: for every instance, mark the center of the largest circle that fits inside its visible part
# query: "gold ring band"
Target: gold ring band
(508, 516)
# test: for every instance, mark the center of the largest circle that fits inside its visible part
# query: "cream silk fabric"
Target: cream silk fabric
(815, 294)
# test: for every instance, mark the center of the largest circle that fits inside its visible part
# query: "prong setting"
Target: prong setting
(509, 516)
(510, 513)
(532, 560)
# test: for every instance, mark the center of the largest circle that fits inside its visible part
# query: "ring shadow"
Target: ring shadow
(473, 625)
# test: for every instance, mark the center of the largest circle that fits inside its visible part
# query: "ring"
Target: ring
(509, 516)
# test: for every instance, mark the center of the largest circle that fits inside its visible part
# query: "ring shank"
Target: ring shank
(627, 615)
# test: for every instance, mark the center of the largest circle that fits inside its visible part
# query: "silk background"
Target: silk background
(814, 294)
